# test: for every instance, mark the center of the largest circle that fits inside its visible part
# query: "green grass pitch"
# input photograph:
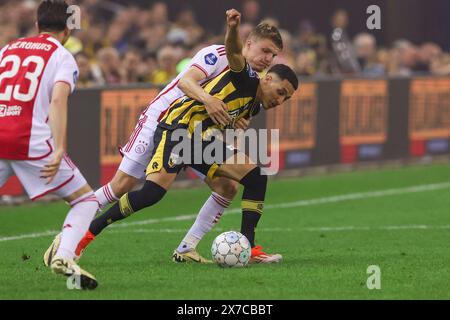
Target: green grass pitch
(330, 229)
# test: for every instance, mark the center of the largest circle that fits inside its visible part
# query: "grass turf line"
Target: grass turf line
(317, 265)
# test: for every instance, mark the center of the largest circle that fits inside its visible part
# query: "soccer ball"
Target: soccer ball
(231, 249)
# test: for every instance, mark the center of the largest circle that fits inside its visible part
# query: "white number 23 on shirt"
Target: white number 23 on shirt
(33, 76)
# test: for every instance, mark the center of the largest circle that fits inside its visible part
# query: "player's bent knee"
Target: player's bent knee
(122, 183)
(225, 187)
(255, 185)
(254, 179)
(150, 194)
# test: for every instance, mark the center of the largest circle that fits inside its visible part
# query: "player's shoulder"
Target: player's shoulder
(214, 48)
(219, 49)
(63, 55)
(213, 55)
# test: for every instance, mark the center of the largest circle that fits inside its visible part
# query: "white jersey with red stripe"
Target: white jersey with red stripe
(211, 61)
(29, 69)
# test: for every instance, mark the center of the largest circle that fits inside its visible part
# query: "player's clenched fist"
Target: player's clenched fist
(233, 17)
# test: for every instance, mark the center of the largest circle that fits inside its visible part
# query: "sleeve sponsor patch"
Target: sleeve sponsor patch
(211, 59)
(75, 77)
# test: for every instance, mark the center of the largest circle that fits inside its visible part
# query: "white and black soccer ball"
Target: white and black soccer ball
(231, 249)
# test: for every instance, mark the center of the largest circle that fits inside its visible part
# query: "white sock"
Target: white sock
(76, 224)
(207, 218)
(105, 195)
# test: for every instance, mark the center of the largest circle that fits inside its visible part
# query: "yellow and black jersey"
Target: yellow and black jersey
(236, 89)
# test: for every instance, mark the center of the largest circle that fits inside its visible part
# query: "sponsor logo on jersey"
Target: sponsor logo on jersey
(211, 59)
(11, 111)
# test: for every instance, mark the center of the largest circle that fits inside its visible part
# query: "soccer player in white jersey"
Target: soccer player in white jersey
(37, 75)
(262, 45)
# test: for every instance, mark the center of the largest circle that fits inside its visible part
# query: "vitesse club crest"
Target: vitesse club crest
(233, 115)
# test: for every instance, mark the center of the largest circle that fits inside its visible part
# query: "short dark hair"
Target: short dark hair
(284, 72)
(52, 15)
(267, 31)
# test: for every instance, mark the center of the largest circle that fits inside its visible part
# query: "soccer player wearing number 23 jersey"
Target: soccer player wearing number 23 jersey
(37, 74)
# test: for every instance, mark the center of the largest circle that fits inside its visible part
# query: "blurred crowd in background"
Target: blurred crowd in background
(128, 44)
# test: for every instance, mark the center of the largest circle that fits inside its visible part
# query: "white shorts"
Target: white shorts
(68, 179)
(139, 148)
(138, 151)
(132, 168)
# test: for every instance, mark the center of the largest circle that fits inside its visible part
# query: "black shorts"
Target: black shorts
(201, 155)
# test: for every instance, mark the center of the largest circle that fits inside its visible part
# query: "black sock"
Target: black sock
(128, 204)
(249, 222)
(255, 185)
(101, 222)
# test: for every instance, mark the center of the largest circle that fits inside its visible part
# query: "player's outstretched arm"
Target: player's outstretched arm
(216, 108)
(233, 42)
(58, 124)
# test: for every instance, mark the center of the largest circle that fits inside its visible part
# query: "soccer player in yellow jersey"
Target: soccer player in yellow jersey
(244, 95)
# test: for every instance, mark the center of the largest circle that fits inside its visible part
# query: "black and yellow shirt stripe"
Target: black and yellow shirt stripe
(236, 89)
